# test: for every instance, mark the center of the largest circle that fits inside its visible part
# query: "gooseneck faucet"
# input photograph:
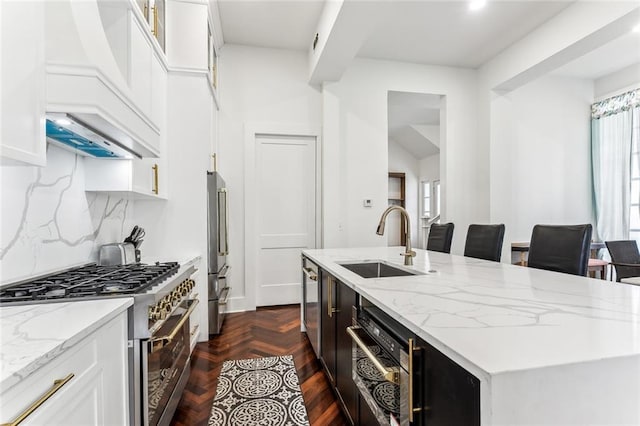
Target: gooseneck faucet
(408, 254)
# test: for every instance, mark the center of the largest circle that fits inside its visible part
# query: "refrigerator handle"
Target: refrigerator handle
(223, 251)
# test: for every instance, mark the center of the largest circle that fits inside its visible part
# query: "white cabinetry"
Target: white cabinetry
(96, 392)
(22, 82)
(147, 177)
(140, 53)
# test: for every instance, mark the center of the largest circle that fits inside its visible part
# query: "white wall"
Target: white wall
(618, 82)
(49, 223)
(540, 156)
(258, 85)
(430, 168)
(355, 146)
(402, 161)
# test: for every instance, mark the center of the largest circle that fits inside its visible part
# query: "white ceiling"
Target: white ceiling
(405, 110)
(425, 31)
(613, 56)
(267, 23)
(448, 33)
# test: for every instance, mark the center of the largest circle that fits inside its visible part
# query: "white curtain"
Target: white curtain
(611, 161)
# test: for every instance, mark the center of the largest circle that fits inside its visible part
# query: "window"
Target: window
(426, 198)
(634, 214)
(436, 196)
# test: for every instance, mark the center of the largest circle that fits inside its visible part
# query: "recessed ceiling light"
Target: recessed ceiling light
(636, 29)
(477, 4)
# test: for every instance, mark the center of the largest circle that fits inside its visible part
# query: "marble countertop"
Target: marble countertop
(32, 335)
(494, 317)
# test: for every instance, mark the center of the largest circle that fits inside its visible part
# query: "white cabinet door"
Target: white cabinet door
(140, 65)
(146, 178)
(22, 82)
(96, 394)
(158, 93)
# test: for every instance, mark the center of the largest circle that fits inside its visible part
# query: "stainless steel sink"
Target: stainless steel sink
(377, 270)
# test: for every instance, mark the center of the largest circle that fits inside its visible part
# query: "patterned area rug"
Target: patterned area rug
(260, 392)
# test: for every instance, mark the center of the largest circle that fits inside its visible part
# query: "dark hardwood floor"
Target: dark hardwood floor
(265, 332)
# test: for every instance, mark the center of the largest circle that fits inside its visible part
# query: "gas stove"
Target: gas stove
(89, 281)
(164, 298)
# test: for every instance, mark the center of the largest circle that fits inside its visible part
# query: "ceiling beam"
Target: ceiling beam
(577, 30)
(342, 29)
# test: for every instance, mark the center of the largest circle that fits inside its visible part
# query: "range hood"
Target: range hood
(92, 136)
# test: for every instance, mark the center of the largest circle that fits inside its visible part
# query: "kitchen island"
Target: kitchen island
(548, 348)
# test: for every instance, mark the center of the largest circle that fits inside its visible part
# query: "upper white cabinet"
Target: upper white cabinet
(22, 82)
(187, 35)
(140, 53)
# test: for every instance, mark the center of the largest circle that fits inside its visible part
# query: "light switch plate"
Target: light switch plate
(367, 202)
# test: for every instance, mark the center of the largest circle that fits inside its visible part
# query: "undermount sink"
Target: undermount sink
(377, 270)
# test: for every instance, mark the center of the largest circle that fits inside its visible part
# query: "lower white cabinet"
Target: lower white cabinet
(86, 385)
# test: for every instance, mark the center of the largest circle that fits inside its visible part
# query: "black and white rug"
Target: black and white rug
(260, 392)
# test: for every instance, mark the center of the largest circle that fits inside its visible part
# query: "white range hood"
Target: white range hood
(88, 77)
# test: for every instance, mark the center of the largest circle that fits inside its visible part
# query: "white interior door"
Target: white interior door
(285, 214)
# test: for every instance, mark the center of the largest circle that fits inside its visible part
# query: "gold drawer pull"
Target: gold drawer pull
(57, 385)
(391, 374)
(310, 273)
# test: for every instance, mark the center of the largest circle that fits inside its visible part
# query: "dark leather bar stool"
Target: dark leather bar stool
(484, 242)
(560, 248)
(625, 258)
(440, 236)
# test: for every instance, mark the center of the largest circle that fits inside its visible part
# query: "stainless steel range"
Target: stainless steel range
(159, 329)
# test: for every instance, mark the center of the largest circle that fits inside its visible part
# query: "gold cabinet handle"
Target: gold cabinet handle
(160, 342)
(310, 274)
(412, 409)
(145, 11)
(57, 385)
(391, 374)
(154, 30)
(155, 188)
(330, 309)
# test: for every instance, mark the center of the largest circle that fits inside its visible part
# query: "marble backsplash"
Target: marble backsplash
(47, 220)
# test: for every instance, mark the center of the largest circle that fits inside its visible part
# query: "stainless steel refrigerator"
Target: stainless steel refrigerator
(218, 249)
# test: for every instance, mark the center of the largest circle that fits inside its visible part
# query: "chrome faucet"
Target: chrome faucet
(408, 254)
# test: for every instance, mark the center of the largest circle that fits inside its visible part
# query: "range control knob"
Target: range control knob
(182, 288)
(156, 314)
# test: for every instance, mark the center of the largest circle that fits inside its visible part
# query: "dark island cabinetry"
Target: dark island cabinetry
(444, 393)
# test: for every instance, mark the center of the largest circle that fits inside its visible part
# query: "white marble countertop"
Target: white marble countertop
(632, 280)
(32, 335)
(497, 317)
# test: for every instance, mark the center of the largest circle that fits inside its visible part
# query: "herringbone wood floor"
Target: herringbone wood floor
(265, 332)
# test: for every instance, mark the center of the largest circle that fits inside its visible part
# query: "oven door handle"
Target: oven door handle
(160, 342)
(391, 374)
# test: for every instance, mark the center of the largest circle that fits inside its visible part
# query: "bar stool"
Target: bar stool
(560, 248)
(440, 236)
(484, 242)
